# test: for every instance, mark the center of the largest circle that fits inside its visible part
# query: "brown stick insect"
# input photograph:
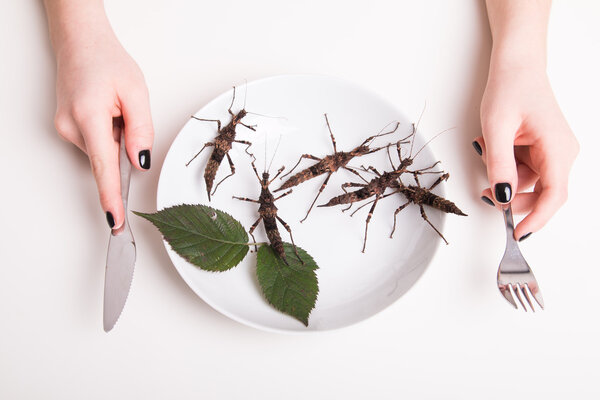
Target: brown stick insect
(222, 143)
(420, 196)
(268, 214)
(331, 163)
(379, 184)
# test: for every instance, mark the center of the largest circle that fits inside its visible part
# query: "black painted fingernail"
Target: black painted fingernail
(525, 236)
(144, 158)
(503, 192)
(477, 147)
(487, 200)
(110, 219)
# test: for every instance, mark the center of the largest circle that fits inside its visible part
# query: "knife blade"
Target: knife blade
(120, 260)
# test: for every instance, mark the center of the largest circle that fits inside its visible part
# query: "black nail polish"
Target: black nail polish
(487, 200)
(110, 219)
(144, 158)
(525, 236)
(503, 192)
(477, 147)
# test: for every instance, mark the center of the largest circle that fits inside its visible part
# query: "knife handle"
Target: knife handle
(125, 172)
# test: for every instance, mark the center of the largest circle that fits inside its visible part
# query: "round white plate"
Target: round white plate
(352, 285)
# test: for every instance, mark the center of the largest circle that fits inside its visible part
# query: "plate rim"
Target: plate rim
(250, 323)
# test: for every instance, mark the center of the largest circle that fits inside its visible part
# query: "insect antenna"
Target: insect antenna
(274, 153)
(265, 154)
(266, 116)
(429, 141)
(416, 128)
(245, 93)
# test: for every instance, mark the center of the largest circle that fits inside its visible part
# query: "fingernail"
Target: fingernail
(525, 236)
(503, 192)
(477, 147)
(144, 158)
(110, 219)
(487, 200)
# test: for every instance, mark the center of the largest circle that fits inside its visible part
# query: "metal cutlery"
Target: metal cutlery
(120, 260)
(515, 278)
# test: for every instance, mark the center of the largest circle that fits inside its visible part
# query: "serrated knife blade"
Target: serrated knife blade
(120, 260)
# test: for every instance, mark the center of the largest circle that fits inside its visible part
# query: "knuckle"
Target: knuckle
(64, 126)
(98, 165)
(82, 110)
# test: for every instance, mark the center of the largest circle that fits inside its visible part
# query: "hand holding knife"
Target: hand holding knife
(120, 260)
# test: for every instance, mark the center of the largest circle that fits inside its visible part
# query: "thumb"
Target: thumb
(139, 133)
(500, 161)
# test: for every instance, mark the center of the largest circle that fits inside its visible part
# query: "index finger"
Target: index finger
(102, 142)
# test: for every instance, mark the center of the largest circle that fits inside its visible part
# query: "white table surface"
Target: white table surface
(450, 336)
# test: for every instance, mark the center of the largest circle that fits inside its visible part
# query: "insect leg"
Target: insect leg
(351, 184)
(381, 133)
(300, 159)
(390, 157)
(283, 195)
(331, 134)
(232, 167)
(429, 222)
(439, 180)
(210, 120)
(256, 172)
(251, 127)
(245, 199)
(369, 202)
(402, 207)
(248, 144)
(369, 219)
(251, 231)
(318, 194)
(232, 101)
(279, 171)
(208, 144)
(287, 228)
(355, 173)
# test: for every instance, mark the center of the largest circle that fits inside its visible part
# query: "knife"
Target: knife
(120, 259)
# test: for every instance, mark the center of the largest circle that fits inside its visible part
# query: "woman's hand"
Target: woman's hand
(526, 143)
(99, 89)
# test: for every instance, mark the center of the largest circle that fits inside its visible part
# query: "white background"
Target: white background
(451, 336)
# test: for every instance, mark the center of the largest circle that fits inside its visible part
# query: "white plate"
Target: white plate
(352, 285)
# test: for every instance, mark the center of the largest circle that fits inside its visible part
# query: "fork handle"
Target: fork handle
(509, 222)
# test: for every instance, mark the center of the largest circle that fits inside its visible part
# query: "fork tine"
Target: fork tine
(515, 288)
(524, 290)
(537, 294)
(505, 290)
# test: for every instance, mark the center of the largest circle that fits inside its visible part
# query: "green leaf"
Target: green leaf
(206, 237)
(291, 288)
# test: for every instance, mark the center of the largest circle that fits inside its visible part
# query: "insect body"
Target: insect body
(222, 144)
(423, 197)
(378, 185)
(268, 214)
(330, 164)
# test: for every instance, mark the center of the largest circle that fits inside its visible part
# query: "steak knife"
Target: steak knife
(120, 260)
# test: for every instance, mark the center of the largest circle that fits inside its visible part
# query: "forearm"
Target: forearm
(74, 23)
(519, 31)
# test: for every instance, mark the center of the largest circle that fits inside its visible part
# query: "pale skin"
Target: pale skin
(99, 88)
(526, 140)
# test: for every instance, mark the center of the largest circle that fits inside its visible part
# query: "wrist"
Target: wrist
(76, 25)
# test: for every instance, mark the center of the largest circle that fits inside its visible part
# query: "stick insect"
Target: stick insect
(331, 163)
(420, 196)
(268, 214)
(222, 144)
(380, 183)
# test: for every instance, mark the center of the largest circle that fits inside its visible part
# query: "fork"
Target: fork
(514, 274)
